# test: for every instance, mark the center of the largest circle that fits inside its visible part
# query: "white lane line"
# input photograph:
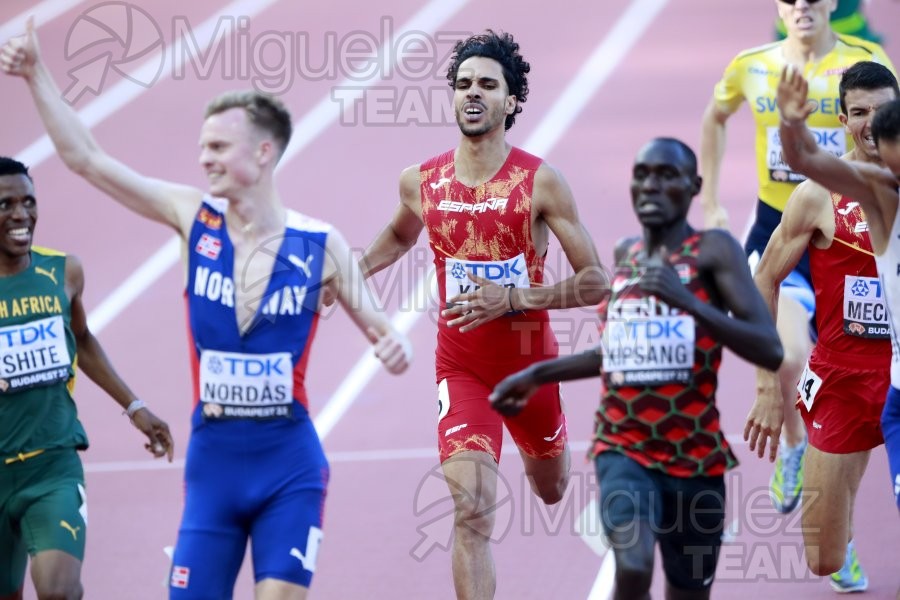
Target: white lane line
(389, 454)
(129, 290)
(306, 129)
(43, 13)
(602, 588)
(595, 71)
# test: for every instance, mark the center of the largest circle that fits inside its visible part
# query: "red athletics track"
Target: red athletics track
(348, 175)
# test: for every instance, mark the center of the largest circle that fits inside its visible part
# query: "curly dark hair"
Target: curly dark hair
(502, 48)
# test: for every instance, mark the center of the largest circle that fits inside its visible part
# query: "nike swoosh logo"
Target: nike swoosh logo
(554, 436)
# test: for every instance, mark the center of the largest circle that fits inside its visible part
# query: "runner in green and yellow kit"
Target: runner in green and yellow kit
(43, 330)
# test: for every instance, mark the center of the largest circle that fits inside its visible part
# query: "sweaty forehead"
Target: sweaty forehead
(15, 185)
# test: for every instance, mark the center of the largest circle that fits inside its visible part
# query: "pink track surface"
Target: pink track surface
(383, 493)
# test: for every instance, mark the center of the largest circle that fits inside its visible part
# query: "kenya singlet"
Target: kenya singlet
(660, 373)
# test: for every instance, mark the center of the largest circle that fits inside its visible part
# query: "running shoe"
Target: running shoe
(786, 485)
(851, 577)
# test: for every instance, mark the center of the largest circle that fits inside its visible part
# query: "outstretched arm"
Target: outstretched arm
(345, 281)
(172, 204)
(511, 395)
(96, 365)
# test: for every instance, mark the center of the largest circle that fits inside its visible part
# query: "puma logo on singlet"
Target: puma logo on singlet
(846, 210)
(303, 265)
(70, 529)
(51, 273)
(439, 183)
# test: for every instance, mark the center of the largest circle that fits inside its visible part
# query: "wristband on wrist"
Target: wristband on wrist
(135, 406)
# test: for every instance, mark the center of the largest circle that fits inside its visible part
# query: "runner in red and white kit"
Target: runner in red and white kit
(489, 210)
(875, 188)
(843, 388)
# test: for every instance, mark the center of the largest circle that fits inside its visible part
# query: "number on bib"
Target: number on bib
(808, 387)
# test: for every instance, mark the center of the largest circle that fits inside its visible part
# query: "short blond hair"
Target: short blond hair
(265, 111)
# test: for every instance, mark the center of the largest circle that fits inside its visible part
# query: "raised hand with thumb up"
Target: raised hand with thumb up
(19, 55)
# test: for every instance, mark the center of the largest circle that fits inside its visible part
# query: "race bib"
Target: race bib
(650, 350)
(511, 273)
(808, 386)
(865, 313)
(33, 355)
(246, 386)
(830, 139)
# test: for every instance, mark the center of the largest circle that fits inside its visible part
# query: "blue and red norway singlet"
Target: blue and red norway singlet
(254, 465)
(260, 374)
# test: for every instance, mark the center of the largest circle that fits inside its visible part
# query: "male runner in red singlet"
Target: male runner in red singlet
(875, 188)
(843, 388)
(660, 451)
(752, 76)
(489, 209)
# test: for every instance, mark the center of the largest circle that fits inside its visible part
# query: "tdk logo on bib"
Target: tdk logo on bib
(249, 367)
(22, 335)
(33, 355)
(512, 272)
(492, 271)
(235, 385)
(650, 330)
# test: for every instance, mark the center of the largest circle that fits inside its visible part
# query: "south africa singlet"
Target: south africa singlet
(37, 359)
